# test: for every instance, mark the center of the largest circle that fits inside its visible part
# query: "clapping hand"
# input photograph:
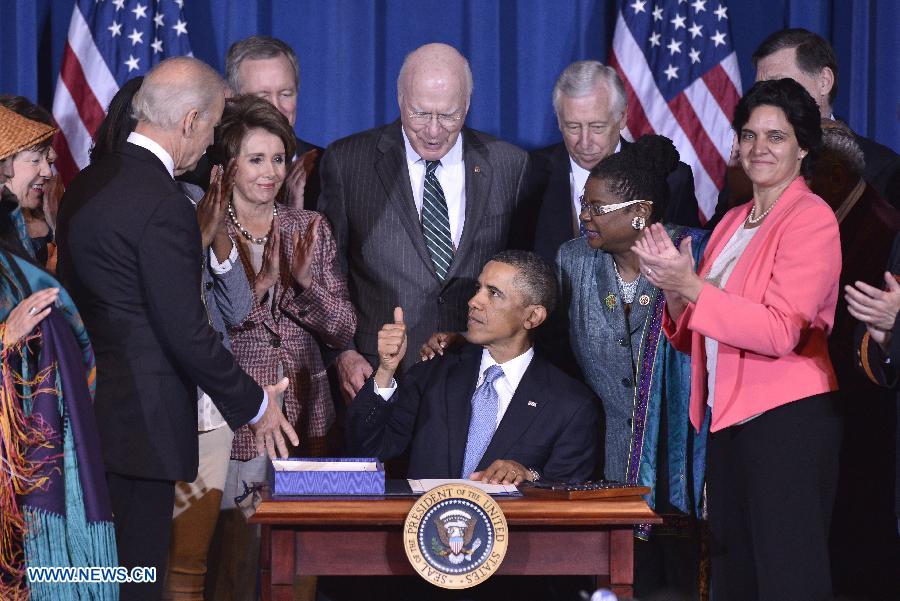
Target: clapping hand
(211, 208)
(668, 268)
(296, 179)
(875, 308)
(271, 262)
(53, 191)
(304, 250)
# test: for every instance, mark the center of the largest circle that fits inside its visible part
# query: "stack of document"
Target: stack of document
(327, 476)
(423, 486)
(325, 465)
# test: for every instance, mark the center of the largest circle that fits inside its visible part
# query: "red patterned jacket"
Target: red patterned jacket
(291, 330)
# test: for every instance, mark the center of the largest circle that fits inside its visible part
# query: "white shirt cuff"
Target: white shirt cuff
(262, 408)
(225, 266)
(385, 393)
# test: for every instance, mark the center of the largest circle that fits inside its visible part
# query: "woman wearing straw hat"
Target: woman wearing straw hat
(53, 496)
(34, 185)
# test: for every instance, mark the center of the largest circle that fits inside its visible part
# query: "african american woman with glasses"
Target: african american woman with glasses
(614, 317)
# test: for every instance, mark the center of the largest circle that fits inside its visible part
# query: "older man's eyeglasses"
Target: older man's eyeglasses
(423, 118)
(595, 210)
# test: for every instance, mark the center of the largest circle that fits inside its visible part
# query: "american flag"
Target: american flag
(109, 42)
(681, 74)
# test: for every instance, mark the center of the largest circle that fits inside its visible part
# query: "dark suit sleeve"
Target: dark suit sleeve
(384, 429)
(380, 428)
(871, 359)
(882, 169)
(333, 206)
(331, 203)
(170, 269)
(683, 208)
(521, 231)
(552, 337)
(313, 180)
(575, 453)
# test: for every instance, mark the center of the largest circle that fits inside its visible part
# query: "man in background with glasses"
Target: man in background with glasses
(417, 207)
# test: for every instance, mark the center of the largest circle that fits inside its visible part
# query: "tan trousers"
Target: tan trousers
(194, 518)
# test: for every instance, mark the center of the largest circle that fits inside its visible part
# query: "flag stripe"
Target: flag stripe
(65, 164)
(706, 151)
(715, 123)
(733, 71)
(106, 46)
(92, 113)
(77, 138)
(722, 89)
(680, 85)
(96, 71)
(638, 124)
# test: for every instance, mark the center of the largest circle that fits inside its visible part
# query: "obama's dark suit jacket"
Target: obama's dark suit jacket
(550, 424)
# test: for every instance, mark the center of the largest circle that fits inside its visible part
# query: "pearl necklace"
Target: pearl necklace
(628, 289)
(244, 232)
(753, 221)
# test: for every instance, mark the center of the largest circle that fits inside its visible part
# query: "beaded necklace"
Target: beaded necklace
(243, 230)
(754, 220)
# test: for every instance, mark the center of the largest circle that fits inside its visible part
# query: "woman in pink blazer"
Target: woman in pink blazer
(755, 319)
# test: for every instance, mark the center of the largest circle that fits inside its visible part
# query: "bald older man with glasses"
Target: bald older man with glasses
(417, 207)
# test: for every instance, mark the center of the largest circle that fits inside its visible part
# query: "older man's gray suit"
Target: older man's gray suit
(366, 194)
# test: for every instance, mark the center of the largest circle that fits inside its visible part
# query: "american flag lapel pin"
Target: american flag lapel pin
(532, 404)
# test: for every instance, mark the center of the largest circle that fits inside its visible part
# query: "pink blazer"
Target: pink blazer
(774, 315)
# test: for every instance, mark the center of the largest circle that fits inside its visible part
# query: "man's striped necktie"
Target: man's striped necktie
(436, 222)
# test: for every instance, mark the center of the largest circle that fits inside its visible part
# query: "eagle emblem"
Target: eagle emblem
(455, 529)
(455, 536)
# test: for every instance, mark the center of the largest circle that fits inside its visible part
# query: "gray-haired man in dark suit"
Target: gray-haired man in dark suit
(417, 207)
(590, 104)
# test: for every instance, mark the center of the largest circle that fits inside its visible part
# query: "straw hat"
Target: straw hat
(18, 133)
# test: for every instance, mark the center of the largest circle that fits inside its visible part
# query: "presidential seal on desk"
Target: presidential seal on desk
(455, 536)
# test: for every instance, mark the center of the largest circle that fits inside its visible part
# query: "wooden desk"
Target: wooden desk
(362, 537)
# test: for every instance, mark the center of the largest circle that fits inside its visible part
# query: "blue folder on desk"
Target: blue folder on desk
(314, 476)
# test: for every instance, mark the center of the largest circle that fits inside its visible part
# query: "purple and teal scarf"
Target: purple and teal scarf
(53, 495)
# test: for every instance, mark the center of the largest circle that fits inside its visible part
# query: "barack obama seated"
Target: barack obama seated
(489, 409)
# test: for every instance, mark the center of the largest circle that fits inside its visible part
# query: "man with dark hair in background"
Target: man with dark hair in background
(808, 59)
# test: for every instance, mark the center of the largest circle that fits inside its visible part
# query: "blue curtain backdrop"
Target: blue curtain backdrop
(351, 51)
